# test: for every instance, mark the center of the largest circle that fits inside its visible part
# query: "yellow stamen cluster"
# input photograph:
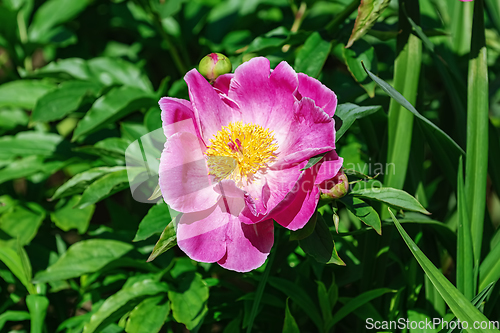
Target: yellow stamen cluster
(239, 150)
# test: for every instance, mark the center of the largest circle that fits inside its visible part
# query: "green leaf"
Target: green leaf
(52, 13)
(391, 196)
(22, 223)
(115, 71)
(476, 163)
(13, 262)
(116, 104)
(13, 316)
(21, 168)
(37, 306)
(168, 240)
(107, 185)
(361, 51)
(110, 147)
(441, 142)
(459, 305)
(355, 303)
(489, 270)
(84, 257)
(306, 231)
(290, 325)
(118, 301)
(349, 112)
(368, 13)
(69, 68)
(29, 143)
(148, 316)
(274, 38)
(154, 222)
(81, 181)
(324, 302)
(189, 300)
(465, 252)
(67, 98)
(312, 56)
(320, 244)
(366, 213)
(10, 119)
(313, 161)
(300, 297)
(23, 93)
(68, 217)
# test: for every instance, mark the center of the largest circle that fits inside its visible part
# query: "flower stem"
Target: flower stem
(171, 47)
(342, 16)
(262, 284)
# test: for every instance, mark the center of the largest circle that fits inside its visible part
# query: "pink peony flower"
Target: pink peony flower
(233, 158)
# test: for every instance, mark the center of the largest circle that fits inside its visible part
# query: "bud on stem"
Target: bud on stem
(214, 65)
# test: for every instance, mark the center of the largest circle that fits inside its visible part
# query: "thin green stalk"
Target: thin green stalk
(23, 36)
(342, 16)
(406, 77)
(465, 273)
(461, 25)
(171, 47)
(476, 166)
(262, 284)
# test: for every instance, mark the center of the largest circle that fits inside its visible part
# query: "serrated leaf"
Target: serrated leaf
(84, 257)
(368, 13)
(393, 197)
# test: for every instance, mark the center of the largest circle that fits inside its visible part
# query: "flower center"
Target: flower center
(239, 150)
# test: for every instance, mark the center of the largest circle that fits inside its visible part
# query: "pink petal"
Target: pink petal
(210, 111)
(247, 246)
(184, 180)
(329, 167)
(177, 116)
(203, 235)
(299, 204)
(322, 96)
(312, 132)
(269, 192)
(264, 99)
(228, 188)
(222, 83)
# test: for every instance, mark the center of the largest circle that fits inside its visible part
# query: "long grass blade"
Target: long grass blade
(458, 303)
(465, 253)
(476, 166)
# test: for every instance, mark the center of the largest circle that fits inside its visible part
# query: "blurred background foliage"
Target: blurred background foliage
(80, 81)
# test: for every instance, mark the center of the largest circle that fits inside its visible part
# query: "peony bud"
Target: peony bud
(213, 65)
(336, 187)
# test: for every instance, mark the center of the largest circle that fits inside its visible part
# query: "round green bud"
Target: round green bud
(214, 65)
